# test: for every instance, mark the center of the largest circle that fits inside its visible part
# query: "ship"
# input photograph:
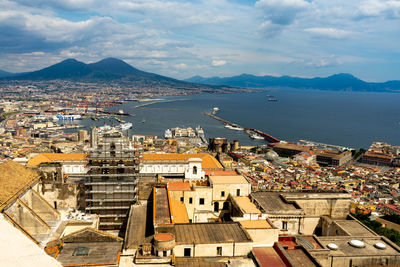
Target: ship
(199, 131)
(256, 136)
(168, 133)
(273, 99)
(233, 127)
(67, 117)
(124, 126)
(215, 109)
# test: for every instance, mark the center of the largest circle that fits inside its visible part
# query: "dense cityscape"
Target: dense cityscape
(111, 197)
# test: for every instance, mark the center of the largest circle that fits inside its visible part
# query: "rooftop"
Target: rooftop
(267, 256)
(178, 211)
(259, 224)
(208, 161)
(14, 180)
(54, 157)
(272, 202)
(161, 206)
(210, 233)
(228, 179)
(198, 262)
(354, 228)
(179, 186)
(345, 249)
(246, 205)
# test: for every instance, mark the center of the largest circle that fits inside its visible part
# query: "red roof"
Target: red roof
(178, 186)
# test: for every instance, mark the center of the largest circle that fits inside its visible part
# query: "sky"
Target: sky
(180, 39)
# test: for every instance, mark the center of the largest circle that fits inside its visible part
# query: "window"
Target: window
(201, 201)
(164, 253)
(81, 251)
(219, 251)
(238, 192)
(284, 225)
(216, 206)
(222, 193)
(190, 200)
(194, 170)
(187, 252)
(182, 199)
(190, 220)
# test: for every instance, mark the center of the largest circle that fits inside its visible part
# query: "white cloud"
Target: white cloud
(376, 8)
(218, 63)
(180, 66)
(328, 32)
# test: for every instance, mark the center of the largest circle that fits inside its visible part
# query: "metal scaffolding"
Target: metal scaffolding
(110, 183)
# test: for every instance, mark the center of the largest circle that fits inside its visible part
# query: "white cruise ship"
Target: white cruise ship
(168, 133)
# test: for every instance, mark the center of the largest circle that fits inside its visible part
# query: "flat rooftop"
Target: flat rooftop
(246, 205)
(300, 258)
(345, 249)
(107, 252)
(210, 233)
(272, 202)
(228, 179)
(136, 229)
(259, 224)
(198, 262)
(354, 228)
(162, 213)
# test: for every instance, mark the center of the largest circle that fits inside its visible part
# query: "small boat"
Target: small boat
(273, 99)
(234, 127)
(215, 109)
(95, 118)
(256, 136)
(143, 121)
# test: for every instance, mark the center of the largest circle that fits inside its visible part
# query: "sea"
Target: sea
(350, 119)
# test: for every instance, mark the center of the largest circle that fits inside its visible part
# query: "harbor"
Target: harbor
(250, 131)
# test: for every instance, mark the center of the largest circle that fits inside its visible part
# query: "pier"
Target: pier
(266, 136)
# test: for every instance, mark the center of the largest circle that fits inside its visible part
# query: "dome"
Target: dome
(271, 155)
(332, 246)
(357, 243)
(380, 245)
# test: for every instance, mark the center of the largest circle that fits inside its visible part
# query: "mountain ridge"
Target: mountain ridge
(336, 82)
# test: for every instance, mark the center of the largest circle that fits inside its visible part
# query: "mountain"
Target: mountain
(5, 73)
(116, 71)
(336, 82)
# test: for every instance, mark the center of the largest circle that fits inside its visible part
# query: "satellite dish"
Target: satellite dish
(332, 246)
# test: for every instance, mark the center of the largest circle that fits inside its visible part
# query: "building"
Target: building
(333, 157)
(87, 247)
(111, 180)
(185, 166)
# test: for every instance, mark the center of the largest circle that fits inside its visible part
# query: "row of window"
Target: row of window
(201, 200)
(187, 252)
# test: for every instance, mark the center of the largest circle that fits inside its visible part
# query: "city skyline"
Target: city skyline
(181, 39)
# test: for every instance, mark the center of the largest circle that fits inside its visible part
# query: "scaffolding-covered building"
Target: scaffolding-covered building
(110, 184)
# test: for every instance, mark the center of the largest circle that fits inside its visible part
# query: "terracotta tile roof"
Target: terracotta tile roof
(208, 161)
(52, 157)
(14, 180)
(179, 186)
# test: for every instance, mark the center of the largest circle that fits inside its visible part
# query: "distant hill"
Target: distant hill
(113, 70)
(337, 82)
(5, 74)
